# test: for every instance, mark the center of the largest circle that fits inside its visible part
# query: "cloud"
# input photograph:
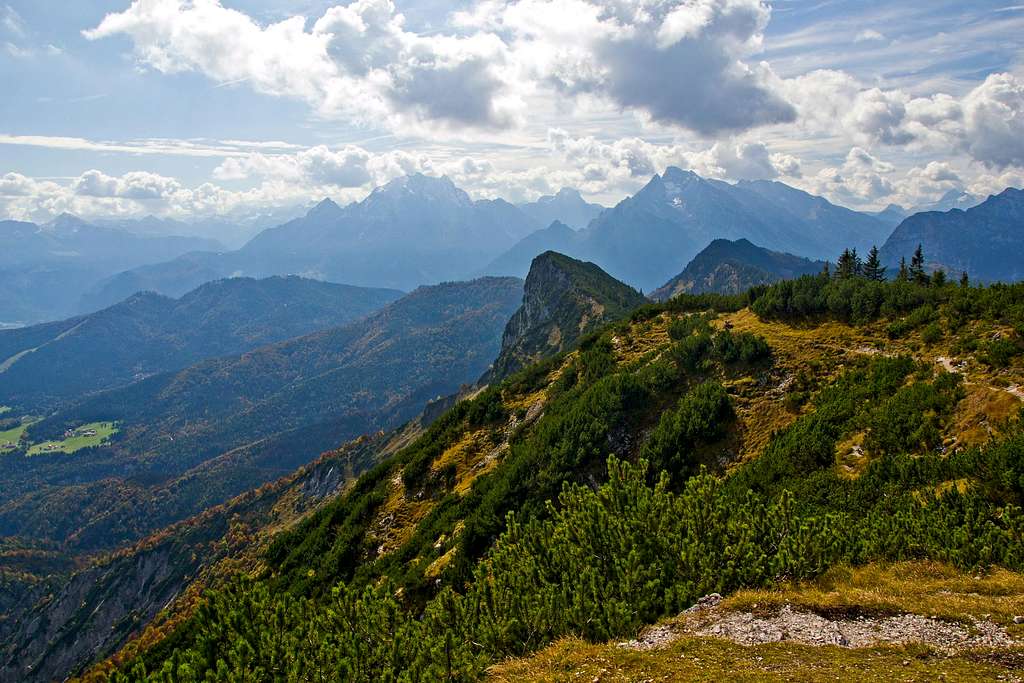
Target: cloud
(357, 61)
(742, 161)
(16, 185)
(189, 148)
(625, 163)
(137, 185)
(994, 121)
(868, 35)
(677, 62)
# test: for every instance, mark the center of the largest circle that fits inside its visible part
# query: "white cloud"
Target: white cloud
(679, 62)
(188, 148)
(868, 35)
(357, 61)
(994, 121)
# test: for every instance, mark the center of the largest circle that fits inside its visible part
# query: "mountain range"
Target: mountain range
(649, 237)
(412, 231)
(44, 365)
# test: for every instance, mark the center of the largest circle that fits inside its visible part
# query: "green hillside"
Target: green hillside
(704, 445)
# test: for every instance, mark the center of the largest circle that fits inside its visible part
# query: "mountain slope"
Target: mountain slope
(148, 334)
(507, 526)
(516, 262)
(829, 225)
(985, 240)
(566, 206)
(195, 437)
(563, 300)
(726, 267)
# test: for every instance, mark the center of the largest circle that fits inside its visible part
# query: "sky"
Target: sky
(193, 108)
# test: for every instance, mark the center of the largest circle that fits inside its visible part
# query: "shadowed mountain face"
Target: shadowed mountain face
(563, 300)
(414, 230)
(645, 239)
(731, 267)
(44, 365)
(985, 241)
(567, 206)
(193, 438)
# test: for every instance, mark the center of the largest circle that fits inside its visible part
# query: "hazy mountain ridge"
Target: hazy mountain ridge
(45, 268)
(649, 237)
(149, 333)
(985, 241)
(566, 206)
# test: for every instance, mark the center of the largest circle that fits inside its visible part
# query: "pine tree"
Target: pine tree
(846, 266)
(964, 280)
(873, 268)
(917, 273)
(903, 275)
(938, 278)
(826, 269)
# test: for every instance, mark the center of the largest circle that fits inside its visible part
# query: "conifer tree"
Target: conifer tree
(917, 273)
(903, 275)
(873, 268)
(964, 280)
(848, 265)
(939, 278)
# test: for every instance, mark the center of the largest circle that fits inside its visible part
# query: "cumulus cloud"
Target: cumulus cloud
(994, 121)
(987, 123)
(357, 61)
(676, 62)
(742, 161)
(680, 62)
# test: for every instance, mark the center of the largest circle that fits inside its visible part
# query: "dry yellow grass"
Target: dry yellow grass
(715, 661)
(926, 588)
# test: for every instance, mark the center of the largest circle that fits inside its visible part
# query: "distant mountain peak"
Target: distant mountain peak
(324, 209)
(437, 188)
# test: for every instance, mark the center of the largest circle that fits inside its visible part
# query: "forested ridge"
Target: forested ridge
(602, 489)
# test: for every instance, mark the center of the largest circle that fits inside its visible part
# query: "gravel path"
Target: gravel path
(798, 626)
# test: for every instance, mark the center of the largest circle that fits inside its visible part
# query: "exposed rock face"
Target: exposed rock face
(563, 300)
(730, 267)
(985, 241)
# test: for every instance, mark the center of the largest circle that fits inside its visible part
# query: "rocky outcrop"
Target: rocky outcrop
(563, 300)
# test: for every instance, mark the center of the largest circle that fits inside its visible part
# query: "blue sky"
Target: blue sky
(187, 108)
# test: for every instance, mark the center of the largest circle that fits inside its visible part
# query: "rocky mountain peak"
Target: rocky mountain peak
(563, 299)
